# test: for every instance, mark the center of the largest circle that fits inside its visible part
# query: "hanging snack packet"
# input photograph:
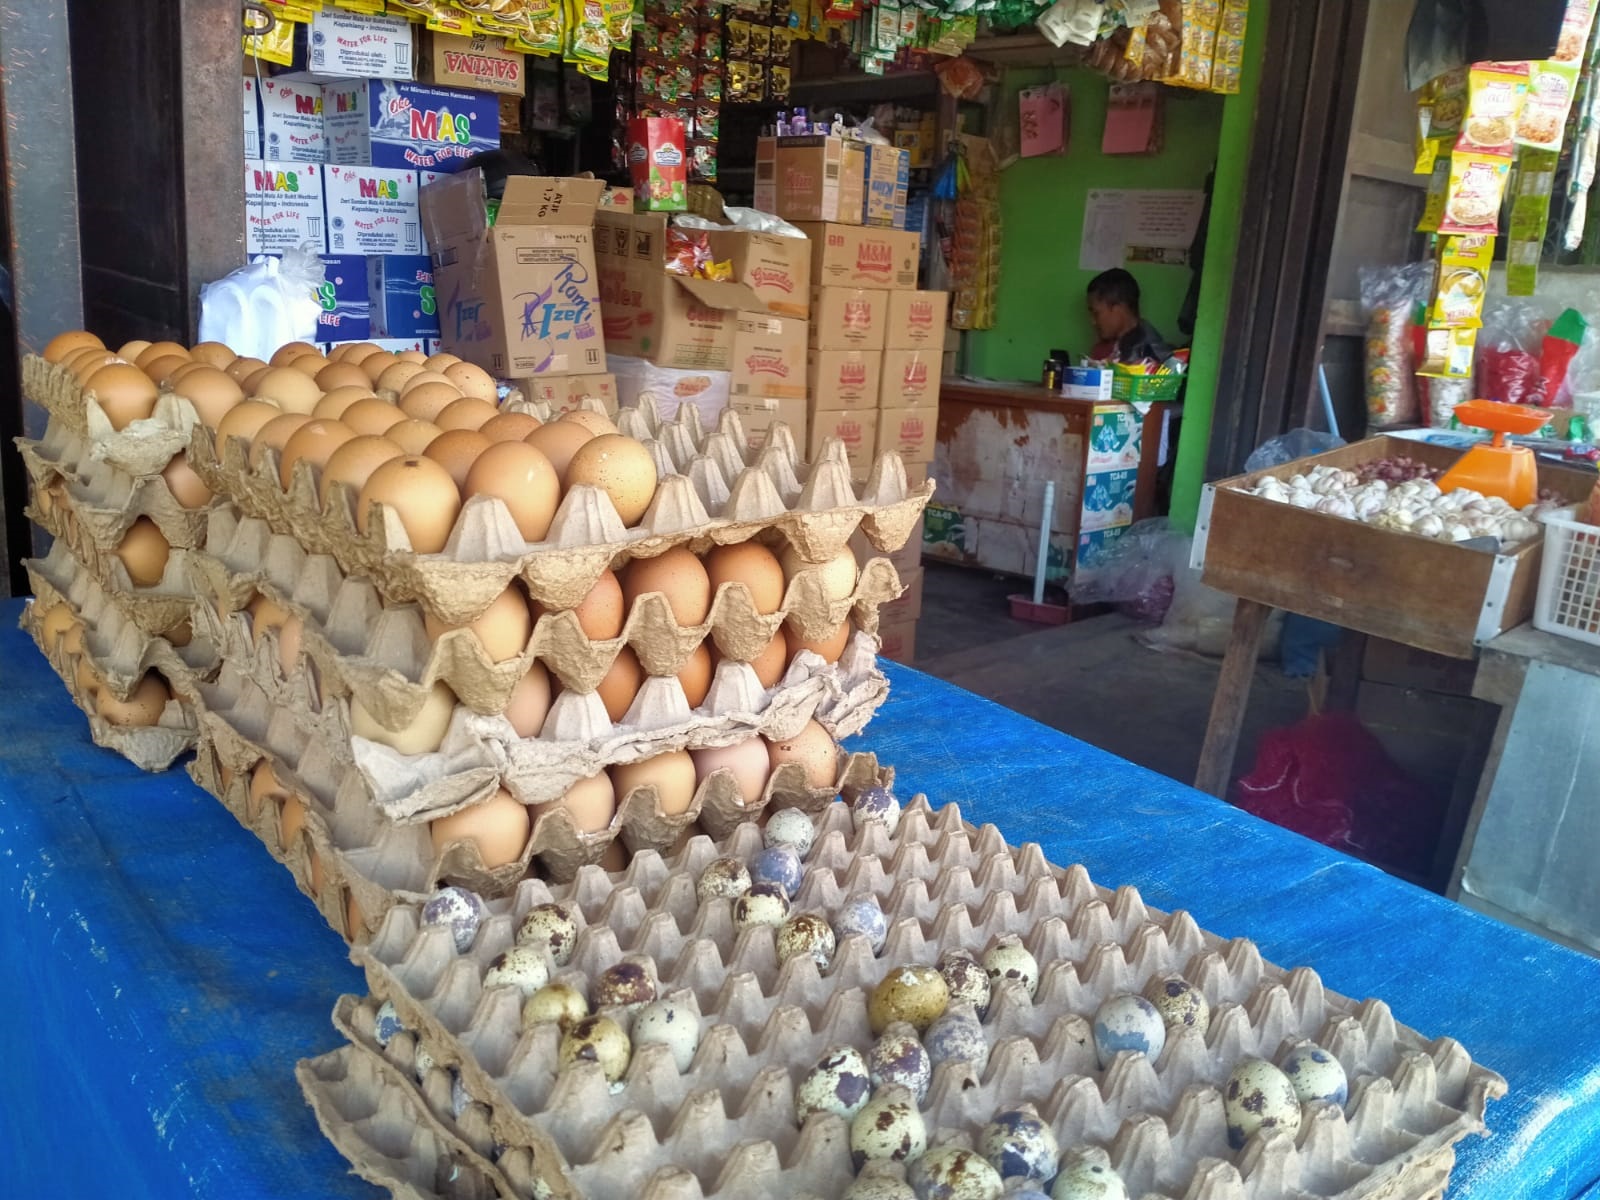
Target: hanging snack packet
(1449, 353)
(1495, 95)
(545, 28)
(1576, 22)
(1463, 281)
(1449, 105)
(1530, 217)
(1427, 149)
(1438, 193)
(1477, 187)
(588, 42)
(1551, 89)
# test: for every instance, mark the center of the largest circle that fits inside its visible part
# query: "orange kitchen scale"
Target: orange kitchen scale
(1498, 469)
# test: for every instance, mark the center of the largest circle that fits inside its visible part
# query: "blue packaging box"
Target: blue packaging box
(1086, 383)
(400, 290)
(346, 313)
(402, 125)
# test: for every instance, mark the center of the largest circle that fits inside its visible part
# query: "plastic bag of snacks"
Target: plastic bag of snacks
(1508, 358)
(1389, 295)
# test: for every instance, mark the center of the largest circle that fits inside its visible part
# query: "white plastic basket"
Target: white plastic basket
(1568, 602)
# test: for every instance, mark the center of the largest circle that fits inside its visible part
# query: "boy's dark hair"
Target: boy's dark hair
(1116, 286)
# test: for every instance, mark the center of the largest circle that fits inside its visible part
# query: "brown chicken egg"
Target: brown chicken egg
(591, 803)
(678, 575)
(288, 388)
(621, 468)
(88, 681)
(601, 612)
(265, 613)
(456, 450)
(747, 761)
(309, 365)
(753, 565)
(559, 441)
(423, 735)
(353, 464)
(830, 646)
(695, 675)
(503, 629)
(839, 573)
(421, 493)
(291, 637)
(84, 363)
(252, 382)
(289, 351)
(244, 421)
(413, 436)
(438, 362)
(163, 372)
(356, 352)
(242, 368)
(124, 392)
(427, 401)
(211, 391)
(275, 434)
(509, 426)
(144, 551)
(770, 662)
(672, 773)
(621, 684)
(466, 413)
(54, 623)
(395, 376)
(315, 876)
(530, 702)
(423, 378)
(130, 351)
(473, 381)
(291, 820)
(596, 423)
(498, 826)
(371, 417)
(142, 707)
(814, 749)
(376, 364)
(521, 478)
(412, 356)
(63, 344)
(342, 374)
(266, 789)
(315, 442)
(181, 634)
(157, 350)
(333, 404)
(187, 488)
(213, 354)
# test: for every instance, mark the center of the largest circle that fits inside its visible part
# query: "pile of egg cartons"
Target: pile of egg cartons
(868, 1002)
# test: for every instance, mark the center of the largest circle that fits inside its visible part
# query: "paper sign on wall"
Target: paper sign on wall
(1153, 225)
(1042, 115)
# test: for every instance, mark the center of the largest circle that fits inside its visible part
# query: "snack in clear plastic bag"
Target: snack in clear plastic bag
(1389, 294)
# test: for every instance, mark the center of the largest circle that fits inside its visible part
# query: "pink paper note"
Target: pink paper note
(1042, 112)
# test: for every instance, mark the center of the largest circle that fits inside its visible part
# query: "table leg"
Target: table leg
(1233, 694)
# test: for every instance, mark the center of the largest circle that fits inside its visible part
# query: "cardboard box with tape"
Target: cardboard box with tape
(909, 432)
(769, 356)
(863, 257)
(844, 379)
(844, 318)
(477, 61)
(777, 269)
(815, 177)
(758, 414)
(910, 379)
(916, 320)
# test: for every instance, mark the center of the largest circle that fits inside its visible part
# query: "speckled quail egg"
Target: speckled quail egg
(553, 927)
(879, 1187)
(861, 917)
(1316, 1075)
(779, 865)
(837, 1084)
(386, 1023)
(1019, 1145)
(763, 904)
(421, 1063)
(898, 1057)
(1179, 1002)
(1086, 1174)
(670, 1024)
(1258, 1096)
(806, 933)
(459, 1099)
(967, 980)
(791, 829)
(597, 1040)
(957, 1037)
(1128, 1022)
(723, 877)
(558, 1002)
(916, 995)
(876, 806)
(625, 985)
(951, 1173)
(1009, 959)
(521, 967)
(888, 1129)
(459, 911)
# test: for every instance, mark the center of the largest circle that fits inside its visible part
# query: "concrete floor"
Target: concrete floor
(1090, 679)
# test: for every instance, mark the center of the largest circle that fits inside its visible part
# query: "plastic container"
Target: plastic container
(1568, 601)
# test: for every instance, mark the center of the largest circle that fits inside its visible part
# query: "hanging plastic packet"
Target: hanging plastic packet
(619, 22)
(1556, 352)
(272, 41)
(1463, 281)
(1495, 96)
(588, 43)
(1438, 193)
(1551, 89)
(1427, 148)
(1476, 190)
(1448, 353)
(1389, 294)
(1530, 217)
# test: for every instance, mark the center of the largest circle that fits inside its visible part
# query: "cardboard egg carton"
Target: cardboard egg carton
(712, 490)
(944, 885)
(143, 447)
(382, 654)
(155, 610)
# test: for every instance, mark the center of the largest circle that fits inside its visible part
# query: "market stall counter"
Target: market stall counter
(163, 974)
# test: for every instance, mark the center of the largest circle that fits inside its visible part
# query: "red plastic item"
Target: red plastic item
(1510, 375)
(1024, 609)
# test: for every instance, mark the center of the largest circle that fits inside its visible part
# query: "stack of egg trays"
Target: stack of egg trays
(489, 1103)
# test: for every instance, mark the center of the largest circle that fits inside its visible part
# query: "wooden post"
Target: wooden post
(1233, 695)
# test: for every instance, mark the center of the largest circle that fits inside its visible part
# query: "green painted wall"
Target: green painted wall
(1041, 302)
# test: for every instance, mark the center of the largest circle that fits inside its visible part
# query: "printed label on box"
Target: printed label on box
(282, 206)
(291, 121)
(346, 315)
(359, 46)
(1114, 439)
(252, 121)
(372, 211)
(397, 124)
(400, 288)
(910, 379)
(1094, 551)
(1108, 498)
(840, 379)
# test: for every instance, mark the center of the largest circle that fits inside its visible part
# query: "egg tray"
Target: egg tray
(815, 509)
(944, 885)
(382, 653)
(143, 447)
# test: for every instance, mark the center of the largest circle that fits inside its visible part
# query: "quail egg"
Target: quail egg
(421, 1063)
(779, 865)
(1086, 1174)
(1258, 1096)
(861, 917)
(898, 1057)
(553, 927)
(876, 806)
(916, 995)
(723, 877)
(459, 911)
(598, 1040)
(1020, 1146)
(626, 985)
(951, 1173)
(806, 933)
(879, 1187)
(888, 1129)
(1316, 1075)
(1179, 1002)
(670, 1024)
(763, 904)
(838, 1084)
(521, 967)
(967, 980)
(558, 1002)
(790, 829)
(1008, 959)
(957, 1037)
(386, 1023)
(1128, 1022)
(459, 1099)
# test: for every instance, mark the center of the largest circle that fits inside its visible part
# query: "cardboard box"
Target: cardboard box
(843, 379)
(917, 145)
(1095, 549)
(862, 257)
(291, 121)
(479, 62)
(282, 206)
(909, 432)
(1407, 667)
(395, 124)
(1086, 383)
(909, 556)
(252, 121)
(1115, 437)
(658, 164)
(759, 414)
(769, 356)
(811, 178)
(856, 429)
(346, 311)
(910, 379)
(916, 476)
(346, 45)
(1108, 499)
(778, 269)
(522, 298)
(402, 297)
(907, 606)
(888, 176)
(849, 318)
(371, 210)
(916, 321)
(898, 641)
(565, 393)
